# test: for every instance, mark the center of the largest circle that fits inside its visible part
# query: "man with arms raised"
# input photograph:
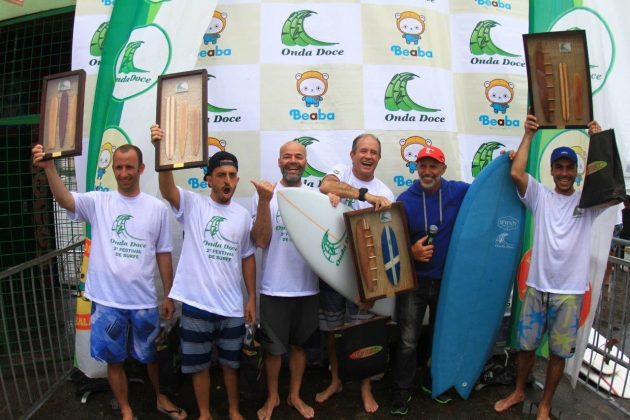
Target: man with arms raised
(359, 188)
(429, 201)
(558, 271)
(288, 287)
(217, 251)
(130, 237)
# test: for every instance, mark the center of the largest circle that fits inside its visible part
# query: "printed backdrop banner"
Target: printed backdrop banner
(415, 73)
(603, 22)
(123, 55)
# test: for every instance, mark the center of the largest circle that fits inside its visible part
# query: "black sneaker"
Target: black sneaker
(400, 403)
(444, 398)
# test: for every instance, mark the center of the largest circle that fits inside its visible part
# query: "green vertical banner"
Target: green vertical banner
(601, 20)
(127, 52)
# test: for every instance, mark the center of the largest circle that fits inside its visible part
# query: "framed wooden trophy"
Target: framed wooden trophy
(182, 112)
(379, 241)
(61, 126)
(559, 78)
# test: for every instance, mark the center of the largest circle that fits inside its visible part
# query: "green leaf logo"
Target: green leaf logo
(333, 251)
(397, 98)
(96, 43)
(481, 42)
(483, 156)
(126, 65)
(293, 32)
(213, 228)
(141, 61)
(119, 227)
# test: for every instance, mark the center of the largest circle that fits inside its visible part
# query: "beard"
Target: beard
(292, 177)
(429, 183)
(564, 184)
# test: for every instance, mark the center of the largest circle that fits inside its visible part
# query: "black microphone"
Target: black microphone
(433, 230)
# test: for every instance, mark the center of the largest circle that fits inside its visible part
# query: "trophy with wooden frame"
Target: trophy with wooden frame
(559, 78)
(182, 112)
(379, 241)
(61, 127)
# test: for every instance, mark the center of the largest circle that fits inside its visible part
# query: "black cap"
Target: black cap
(221, 159)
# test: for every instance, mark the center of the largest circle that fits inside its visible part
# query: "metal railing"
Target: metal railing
(37, 310)
(606, 364)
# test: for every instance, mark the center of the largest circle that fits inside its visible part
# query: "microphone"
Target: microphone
(433, 230)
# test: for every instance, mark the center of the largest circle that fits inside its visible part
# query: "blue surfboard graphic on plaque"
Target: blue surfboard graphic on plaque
(391, 257)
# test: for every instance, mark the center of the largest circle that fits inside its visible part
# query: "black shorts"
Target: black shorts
(287, 321)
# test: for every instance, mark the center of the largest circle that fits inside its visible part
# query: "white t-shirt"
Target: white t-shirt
(284, 271)
(562, 231)
(127, 232)
(375, 186)
(216, 239)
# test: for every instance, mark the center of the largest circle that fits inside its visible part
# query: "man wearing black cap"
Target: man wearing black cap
(217, 251)
(431, 204)
(558, 271)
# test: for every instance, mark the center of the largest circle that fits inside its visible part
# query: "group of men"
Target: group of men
(220, 238)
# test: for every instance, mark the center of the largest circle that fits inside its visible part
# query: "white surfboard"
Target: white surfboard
(606, 374)
(601, 234)
(318, 231)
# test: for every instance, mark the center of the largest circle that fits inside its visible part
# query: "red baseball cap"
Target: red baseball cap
(432, 152)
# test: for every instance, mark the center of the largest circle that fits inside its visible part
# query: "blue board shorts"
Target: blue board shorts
(110, 330)
(559, 314)
(201, 330)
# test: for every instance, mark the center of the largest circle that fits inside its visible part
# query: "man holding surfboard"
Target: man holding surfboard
(130, 238)
(557, 277)
(217, 252)
(358, 188)
(288, 286)
(431, 204)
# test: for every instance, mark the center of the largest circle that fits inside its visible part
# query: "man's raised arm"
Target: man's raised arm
(519, 176)
(59, 190)
(168, 189)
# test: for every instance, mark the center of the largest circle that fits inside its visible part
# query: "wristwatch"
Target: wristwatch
(362, 192)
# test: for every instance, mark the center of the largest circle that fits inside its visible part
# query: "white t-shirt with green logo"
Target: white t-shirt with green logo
(127, 232)
(375, 186)
(216, 239)
(284, 271)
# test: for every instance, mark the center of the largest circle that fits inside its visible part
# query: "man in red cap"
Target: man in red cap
(432, 204)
